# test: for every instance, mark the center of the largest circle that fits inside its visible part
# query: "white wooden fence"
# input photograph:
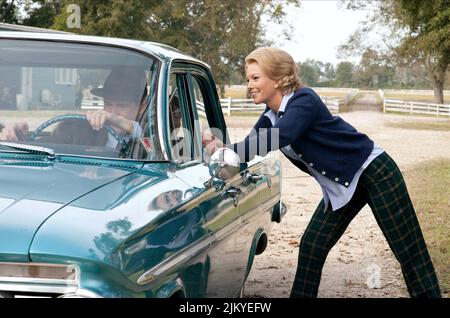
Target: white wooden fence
(201, 109)
(350, 93)
(91, 104)
(394, 105)
(332, 103)
(345, 94)
(230, 105)
(402, 106)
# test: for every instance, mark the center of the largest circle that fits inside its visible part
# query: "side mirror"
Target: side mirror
(224, 164)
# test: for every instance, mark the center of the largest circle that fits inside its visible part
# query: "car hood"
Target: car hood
(30, 192)
(114, 224)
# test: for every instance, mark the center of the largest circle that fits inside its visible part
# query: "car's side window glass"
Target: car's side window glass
(201, 125)
(178, 124)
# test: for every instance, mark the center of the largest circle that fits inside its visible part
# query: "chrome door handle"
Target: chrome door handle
(233, 193)
(251, 177)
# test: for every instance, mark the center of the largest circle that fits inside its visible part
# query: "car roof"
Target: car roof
(26, 28)
(162, 51)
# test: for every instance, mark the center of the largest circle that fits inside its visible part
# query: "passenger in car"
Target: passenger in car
(175, 124)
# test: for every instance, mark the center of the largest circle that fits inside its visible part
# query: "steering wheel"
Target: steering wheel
(58, 119)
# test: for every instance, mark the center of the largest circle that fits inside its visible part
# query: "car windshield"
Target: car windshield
(79, 99)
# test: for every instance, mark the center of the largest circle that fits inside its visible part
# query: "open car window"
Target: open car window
(54, 87)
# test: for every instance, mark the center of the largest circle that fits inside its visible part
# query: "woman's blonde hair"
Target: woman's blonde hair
(278, 65)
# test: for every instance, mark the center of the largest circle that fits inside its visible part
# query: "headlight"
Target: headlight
(39, 278)
(40, 271)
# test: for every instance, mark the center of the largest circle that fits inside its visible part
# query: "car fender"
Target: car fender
(260, 234)
(171, 288)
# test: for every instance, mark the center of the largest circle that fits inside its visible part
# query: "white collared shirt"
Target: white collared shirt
(272, 115)
(136, 133)
(334, 193)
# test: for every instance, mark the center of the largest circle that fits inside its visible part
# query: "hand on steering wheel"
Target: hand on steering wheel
(14, 132)
(99, 118)
(58, 119)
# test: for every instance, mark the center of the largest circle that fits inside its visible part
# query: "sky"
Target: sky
(320, 26)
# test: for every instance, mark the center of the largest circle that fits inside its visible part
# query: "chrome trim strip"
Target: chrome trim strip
(40, 285)
(174, 260)
(162, 75)
(28, 280)
(271, 203)
(39, 288)
(226, 230)
(266, 206)
(81, 293)
(188, 252)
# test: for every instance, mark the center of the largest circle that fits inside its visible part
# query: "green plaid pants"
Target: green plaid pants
(382, 187)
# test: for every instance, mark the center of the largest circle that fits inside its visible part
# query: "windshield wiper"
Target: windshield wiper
(35, 150)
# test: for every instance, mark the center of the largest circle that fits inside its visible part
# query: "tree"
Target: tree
(422, 30)
(344, 74)
(42, 13)
(309, 72)
(8, 11)
(411, 76)
(428, 39)
(221, 33)
(373, 71)
(329, 72)
(317, 73)
(115, 18)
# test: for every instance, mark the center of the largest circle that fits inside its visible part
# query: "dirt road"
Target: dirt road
(361, 264)
(366, 100)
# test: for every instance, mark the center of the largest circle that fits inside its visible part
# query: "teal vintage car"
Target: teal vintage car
(96, 201)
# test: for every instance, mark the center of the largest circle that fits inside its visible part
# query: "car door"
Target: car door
(261, 189)
(223, 272)
(234, 238)
(229, 266)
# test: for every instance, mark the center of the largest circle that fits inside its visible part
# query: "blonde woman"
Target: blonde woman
(351, 170)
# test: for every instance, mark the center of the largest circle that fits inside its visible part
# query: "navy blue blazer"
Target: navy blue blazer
(325, 142)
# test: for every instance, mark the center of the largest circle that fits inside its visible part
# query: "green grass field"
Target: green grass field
(236, 93)
(429, 188)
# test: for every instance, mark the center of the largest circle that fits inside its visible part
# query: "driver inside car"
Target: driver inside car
(124, 93)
